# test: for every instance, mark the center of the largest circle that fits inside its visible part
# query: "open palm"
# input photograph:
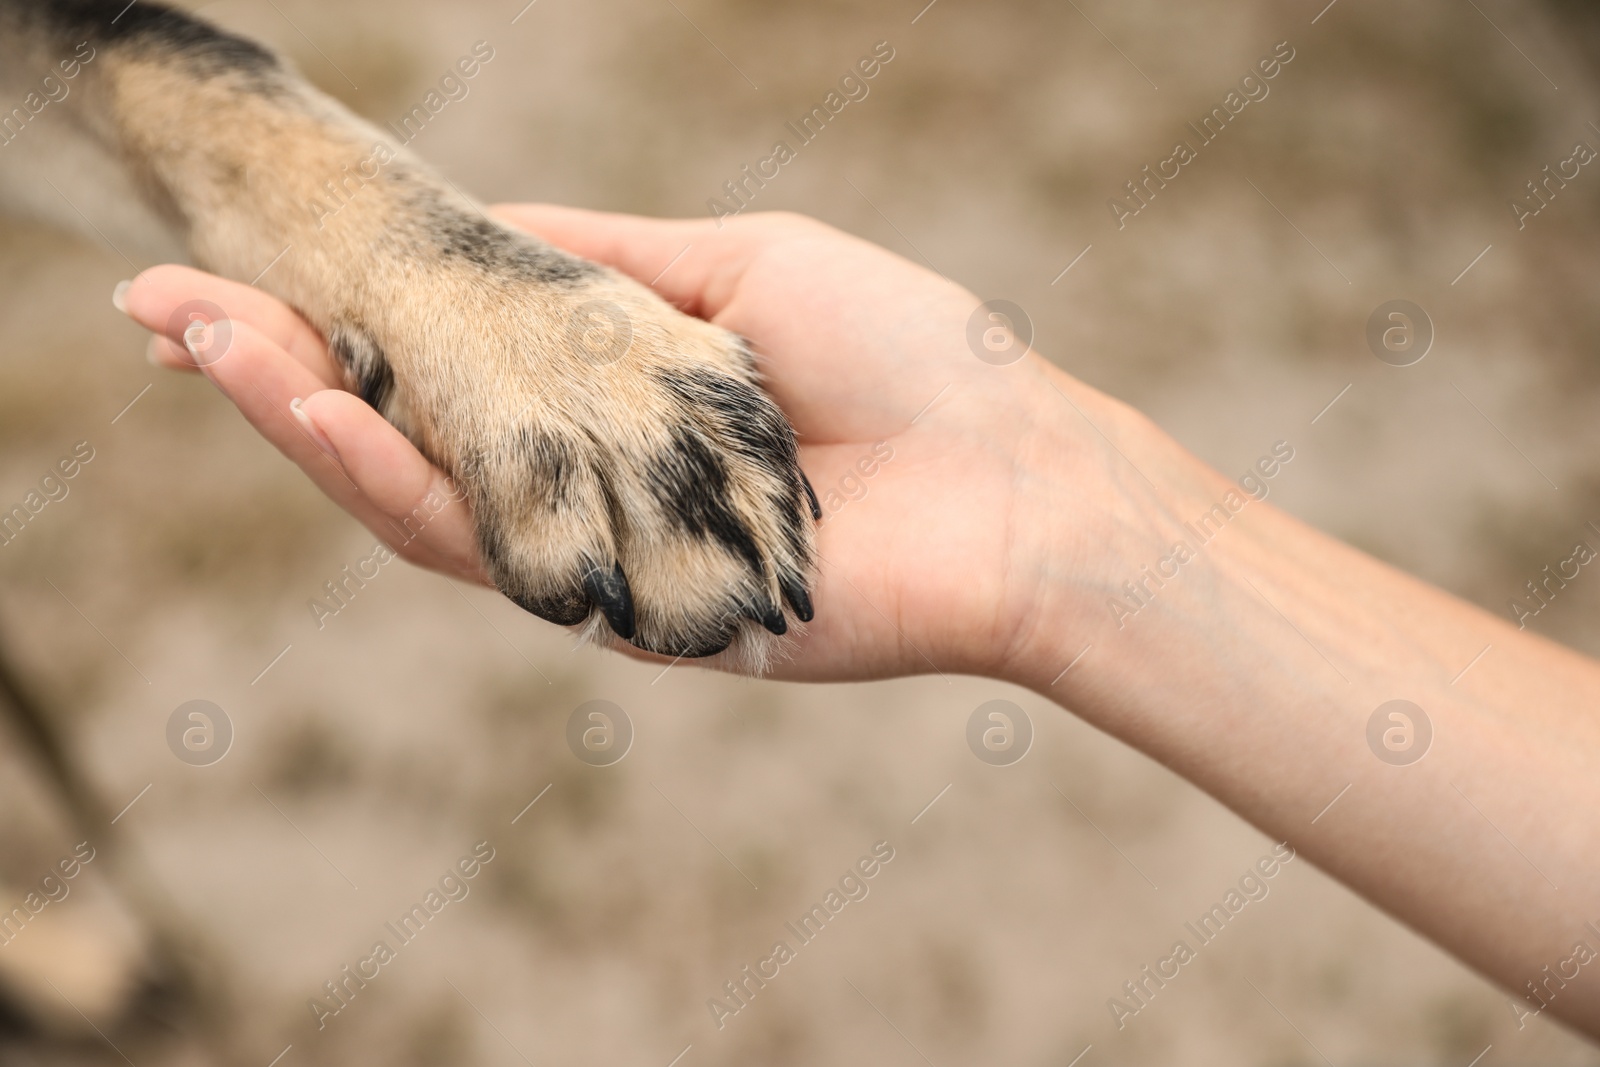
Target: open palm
(932, 539)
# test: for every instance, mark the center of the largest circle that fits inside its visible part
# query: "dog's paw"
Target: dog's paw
(621, 458)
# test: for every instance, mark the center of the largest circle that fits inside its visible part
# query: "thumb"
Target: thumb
(694, 263)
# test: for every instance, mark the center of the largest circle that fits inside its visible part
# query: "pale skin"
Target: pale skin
(1013, 509)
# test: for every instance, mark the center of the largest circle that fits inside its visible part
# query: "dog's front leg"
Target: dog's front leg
(620, 458)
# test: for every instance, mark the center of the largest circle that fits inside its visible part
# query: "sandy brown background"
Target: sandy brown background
(424, 717)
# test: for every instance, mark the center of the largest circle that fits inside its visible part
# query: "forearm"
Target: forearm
(1254, 671)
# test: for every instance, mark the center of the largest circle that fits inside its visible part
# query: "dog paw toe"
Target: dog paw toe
(623, 464)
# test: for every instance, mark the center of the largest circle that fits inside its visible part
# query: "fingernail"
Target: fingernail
(119, 296)
(313, 431)
(195, 338)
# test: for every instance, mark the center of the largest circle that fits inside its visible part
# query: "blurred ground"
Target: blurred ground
(422, 720)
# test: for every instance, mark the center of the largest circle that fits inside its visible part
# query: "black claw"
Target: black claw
(811, 495)
(768, 615)
(795, 593)
(610, 593)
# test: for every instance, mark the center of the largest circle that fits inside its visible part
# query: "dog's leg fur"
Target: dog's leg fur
(645, 478)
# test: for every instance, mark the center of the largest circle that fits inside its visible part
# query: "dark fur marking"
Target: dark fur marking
(700, 643)
(566, 607)
(377, 385)
(691, 483)
(553, 465)
(363, 360)
(563, 609)
(794, 531)
(208, 50)
(457, 233)
(758, 431)
(710, 648)
(493, 546)
(486, 245)
(753, 425)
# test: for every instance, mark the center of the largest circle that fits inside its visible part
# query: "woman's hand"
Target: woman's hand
(941, 476)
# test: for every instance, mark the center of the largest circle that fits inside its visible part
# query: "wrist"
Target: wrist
(1102, 498)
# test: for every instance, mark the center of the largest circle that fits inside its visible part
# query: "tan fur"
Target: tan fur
(481, 357)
